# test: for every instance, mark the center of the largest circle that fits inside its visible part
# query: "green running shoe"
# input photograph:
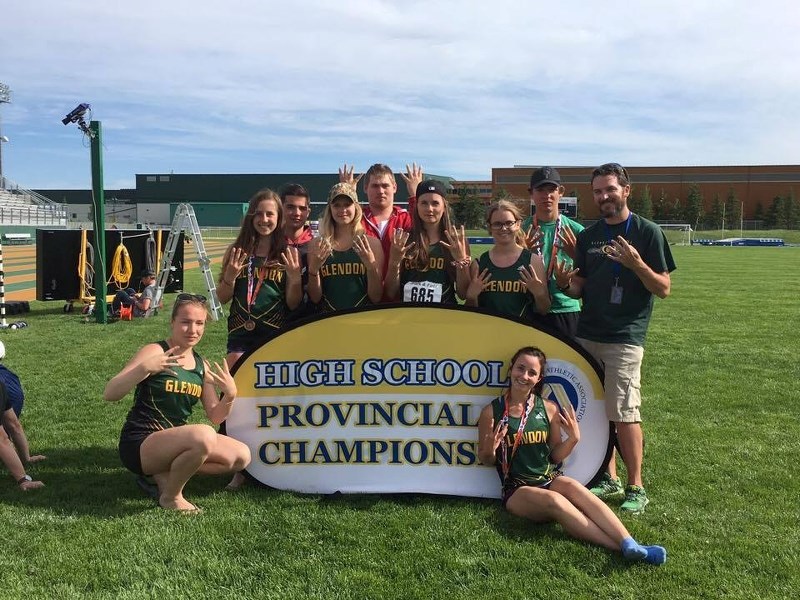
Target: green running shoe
(607, 487)
(635, 500)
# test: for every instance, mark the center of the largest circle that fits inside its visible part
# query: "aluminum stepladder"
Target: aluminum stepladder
(184, 216)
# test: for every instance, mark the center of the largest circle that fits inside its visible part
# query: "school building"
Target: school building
(751, 184)
(156, 195)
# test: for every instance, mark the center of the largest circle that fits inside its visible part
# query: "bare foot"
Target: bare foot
(236, 482)
(180, 504)
(31, 485)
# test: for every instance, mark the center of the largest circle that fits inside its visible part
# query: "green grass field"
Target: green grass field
(789, 236)
(721, 467)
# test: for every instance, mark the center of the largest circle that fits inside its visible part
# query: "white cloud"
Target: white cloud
(248, 86)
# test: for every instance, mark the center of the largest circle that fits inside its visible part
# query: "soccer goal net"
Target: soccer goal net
(678, 234)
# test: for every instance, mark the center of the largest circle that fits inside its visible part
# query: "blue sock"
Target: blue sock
(632, 550)
(656, 555)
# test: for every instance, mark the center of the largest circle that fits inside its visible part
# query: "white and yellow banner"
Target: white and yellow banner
(387, 400)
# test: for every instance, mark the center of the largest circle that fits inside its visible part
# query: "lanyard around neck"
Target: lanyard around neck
(616, 267)
(553, 259)
(505, 456)
(253, 287)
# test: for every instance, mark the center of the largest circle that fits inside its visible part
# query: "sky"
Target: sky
(259, 86)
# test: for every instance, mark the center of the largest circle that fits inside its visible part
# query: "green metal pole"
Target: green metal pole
(99, 205)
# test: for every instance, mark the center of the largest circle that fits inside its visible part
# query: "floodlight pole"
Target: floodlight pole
(99, 205)
(5, 98)
(3, 139)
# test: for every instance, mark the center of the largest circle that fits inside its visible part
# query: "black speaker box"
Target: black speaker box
(58, 252)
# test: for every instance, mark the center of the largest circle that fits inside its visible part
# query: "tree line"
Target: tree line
(782, 213)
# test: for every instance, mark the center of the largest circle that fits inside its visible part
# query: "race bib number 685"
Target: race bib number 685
(422, 291)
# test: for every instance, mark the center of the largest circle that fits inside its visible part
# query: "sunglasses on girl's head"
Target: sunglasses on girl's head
(191, 298)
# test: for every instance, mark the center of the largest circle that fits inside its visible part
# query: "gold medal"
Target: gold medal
(249, 325)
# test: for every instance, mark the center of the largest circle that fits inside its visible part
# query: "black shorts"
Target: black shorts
(512, 486)
(130, 444)
(566, 323)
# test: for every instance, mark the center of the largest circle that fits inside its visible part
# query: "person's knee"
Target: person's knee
(628, 430)
(567, 485)
(241, 457)
(554, 505)
(204, 439)
(548, 504)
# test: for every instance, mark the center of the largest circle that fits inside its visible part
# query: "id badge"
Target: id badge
(616, 294)
(422, 291)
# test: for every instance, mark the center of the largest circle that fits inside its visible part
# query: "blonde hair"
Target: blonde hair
(327, 225)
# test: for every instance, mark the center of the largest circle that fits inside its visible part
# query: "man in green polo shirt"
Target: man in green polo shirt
(553, 235)
(621, 262)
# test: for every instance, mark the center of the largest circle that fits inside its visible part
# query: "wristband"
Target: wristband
(23, 479)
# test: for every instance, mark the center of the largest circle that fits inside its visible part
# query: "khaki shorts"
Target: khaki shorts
(623, 377)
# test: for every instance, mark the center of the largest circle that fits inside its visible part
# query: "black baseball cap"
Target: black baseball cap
(431, 186)
(148, 273)
(545, 175)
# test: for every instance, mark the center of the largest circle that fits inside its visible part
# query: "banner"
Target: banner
(387, 399)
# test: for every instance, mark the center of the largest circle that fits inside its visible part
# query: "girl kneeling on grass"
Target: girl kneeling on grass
(520, 433)
(170, 377)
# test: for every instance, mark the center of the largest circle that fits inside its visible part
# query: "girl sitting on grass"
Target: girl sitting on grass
(521, 434)
(169, 377)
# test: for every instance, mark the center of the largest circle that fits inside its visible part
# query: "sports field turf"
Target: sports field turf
(721, 468)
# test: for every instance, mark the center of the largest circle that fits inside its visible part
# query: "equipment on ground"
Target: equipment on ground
(67, 267)
(185, 217)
